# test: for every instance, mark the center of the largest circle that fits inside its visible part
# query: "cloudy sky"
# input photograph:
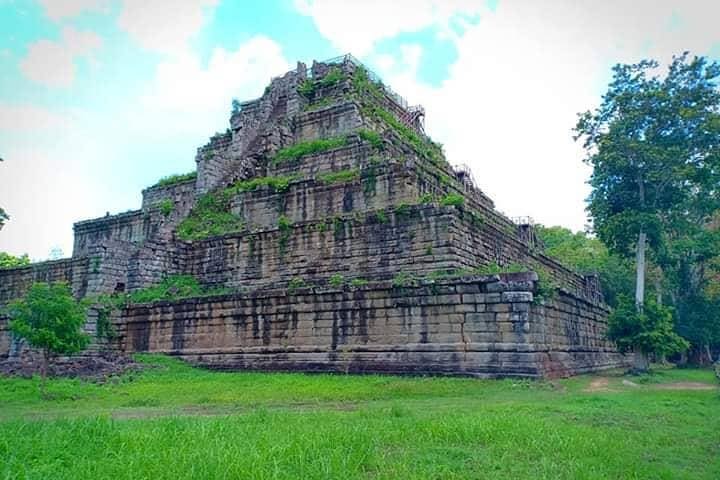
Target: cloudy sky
(100, 98)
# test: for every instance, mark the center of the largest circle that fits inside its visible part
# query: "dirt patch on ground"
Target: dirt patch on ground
(685, 386)
(599, 384)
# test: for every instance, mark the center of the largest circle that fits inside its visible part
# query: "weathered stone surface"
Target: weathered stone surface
(381, 222)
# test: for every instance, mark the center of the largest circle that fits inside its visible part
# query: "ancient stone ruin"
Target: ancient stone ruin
(331, 234)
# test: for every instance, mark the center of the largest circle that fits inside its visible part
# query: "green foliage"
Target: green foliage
(452, 200)
(11, 261)
(426, 198)
(175, 179)
(650, 331)
(337, 280)
(587, 254)
(306, 88)
(340, 176)
(166, 207)
(429, 250)
(293, 153)
(211, 216)
(403, 279)
(332, 77)
(278, 184)
(174, 287)
(371, 137)
(403, 211)
(319, 103)
(372, 95)
(358, 282)
(295, 284)
(50, 319)
(380, 216)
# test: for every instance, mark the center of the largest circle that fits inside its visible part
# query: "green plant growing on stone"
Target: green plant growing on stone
(358, 282)
(403, 279)
(280, 183)
(173, 287)
(295, 284)
(334, 76)
(306, 88)
(336, 280)
(292, 154)
(429, 250)
(341, 176)
(11, 261)
(175, 179)
(50, 320)
(166, 207)
(452, 200)
(426, 198)
(210, 217)
(372, 137)
(381, 217)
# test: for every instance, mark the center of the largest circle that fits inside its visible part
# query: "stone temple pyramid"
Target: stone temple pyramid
(329, 233)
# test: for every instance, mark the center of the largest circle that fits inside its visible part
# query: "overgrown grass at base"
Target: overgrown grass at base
(175, 422)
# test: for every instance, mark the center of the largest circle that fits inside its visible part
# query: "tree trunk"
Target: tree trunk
(640, 362)
(43, 374)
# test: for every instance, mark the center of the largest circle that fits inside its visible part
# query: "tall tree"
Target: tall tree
(654, 147)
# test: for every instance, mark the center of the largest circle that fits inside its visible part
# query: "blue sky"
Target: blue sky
(100, 98)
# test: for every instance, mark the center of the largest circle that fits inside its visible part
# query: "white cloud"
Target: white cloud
(183, 83)
(354, 26)
(522, 73)
(26, 118)
(52, 63)
(164, 26)
(57, 10)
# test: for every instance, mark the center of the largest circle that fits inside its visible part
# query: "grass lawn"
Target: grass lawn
(172, 421)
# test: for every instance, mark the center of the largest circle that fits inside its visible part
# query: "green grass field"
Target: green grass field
(172, 421)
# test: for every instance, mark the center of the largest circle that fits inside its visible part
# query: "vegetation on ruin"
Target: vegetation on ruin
(452, 200)
(277, 183)
(336, 280)
(292, 154)
(166, 207)
(211, 216)
(172, 421)
(175, 179)
(11, 261)
(372, 137)
(309, 86)
(339, 176)
(371, 95)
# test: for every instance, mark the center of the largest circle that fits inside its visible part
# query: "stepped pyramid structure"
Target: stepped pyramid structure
(336, 237)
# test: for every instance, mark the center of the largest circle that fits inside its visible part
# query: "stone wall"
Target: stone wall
(484, 326)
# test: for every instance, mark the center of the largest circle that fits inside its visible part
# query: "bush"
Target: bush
(650, 331)
(166, 207)
(11, 261)
(336, 280)
(371, 137)
(452, 200)
(177, 178)
(358, 282)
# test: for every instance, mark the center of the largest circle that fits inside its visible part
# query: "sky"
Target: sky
(101, 98)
